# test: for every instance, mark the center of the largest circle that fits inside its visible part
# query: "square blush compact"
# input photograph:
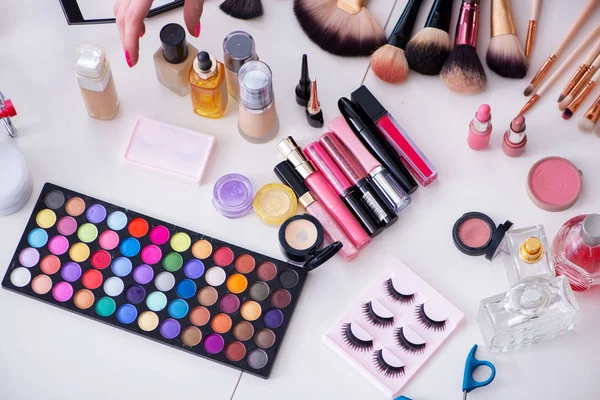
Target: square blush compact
(476, 234)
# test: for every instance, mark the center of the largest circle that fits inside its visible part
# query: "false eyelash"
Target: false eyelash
(427, 322)
(353, 342)
(374, 319)
(396, 295)
(387, 369)
(406, 344)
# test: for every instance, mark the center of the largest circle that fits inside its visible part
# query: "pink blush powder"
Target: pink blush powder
(554, 184)
(474, 233)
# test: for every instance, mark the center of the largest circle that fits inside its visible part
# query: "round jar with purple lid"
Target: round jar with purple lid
(233, 195)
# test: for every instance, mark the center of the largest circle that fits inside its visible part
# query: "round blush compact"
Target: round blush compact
(554, 184)
(476, 234)
(301, 238)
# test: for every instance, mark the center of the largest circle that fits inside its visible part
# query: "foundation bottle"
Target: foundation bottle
(174, 59)
(258, 122)
(96, 81)
(208, 87)
(238, 49)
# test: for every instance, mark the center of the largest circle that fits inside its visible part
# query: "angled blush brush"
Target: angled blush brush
(389, 61)
(427, 51)
(547, 65)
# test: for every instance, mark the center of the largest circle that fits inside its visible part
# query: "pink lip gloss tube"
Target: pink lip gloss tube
(384, 181)
(480, 128)
(353, 199)
(318, 184)
(410, 154)
(333, 232)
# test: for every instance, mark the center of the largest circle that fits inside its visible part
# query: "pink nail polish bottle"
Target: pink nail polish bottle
(515, 138)
(480, 128)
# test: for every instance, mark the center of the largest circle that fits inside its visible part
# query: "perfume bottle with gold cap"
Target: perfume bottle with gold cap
(538, 305)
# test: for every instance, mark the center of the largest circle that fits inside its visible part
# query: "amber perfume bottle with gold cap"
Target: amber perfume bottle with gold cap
(538, 306)
(208, 87)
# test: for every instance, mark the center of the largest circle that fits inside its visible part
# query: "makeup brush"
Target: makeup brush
(581, 71)
(340, 27)
(588, 122)
(532, 27)
(462, 71)
(427, 51)
(242, 9)
(547, 65)
(558, 73)
(581, 96)
(505, 55)
(564, 103)
(389, 61)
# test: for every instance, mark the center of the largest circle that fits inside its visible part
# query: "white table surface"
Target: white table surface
(46, 353)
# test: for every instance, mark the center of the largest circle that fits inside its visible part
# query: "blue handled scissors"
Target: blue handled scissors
(470, 366)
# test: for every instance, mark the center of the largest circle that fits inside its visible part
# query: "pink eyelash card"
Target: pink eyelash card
(393, 328)
(169, 150)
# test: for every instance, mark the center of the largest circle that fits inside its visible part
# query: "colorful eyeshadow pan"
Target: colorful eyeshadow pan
(109, 240)
(138, 227)
(159, 235)
(66, 226)
(191, 336)
(46, 219)
(29, 257)
(50, 264)
(199, 316)
(117, 220)
(187, 290)
(202, 249)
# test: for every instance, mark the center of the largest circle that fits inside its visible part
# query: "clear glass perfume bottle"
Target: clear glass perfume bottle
(538, 305)
(208, 86)
(576, 250)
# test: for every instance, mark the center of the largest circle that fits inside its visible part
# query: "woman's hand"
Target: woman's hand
(130, 16)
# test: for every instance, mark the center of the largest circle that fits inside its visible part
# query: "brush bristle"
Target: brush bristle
(338, 32)
(428, 50)
(389, 64)
(242, 9)
(528, 90)
(562, 106)
(586, 125)
(505, 56)
(463, 72)
(567, 114)
(560, 98)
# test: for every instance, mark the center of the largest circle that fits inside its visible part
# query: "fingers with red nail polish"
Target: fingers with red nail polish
(192, 11)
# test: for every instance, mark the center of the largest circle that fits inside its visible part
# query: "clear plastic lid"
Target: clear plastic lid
(233, 195)
(256, 85)
(90, 61)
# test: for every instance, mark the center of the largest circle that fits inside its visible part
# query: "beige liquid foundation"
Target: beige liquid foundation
(258, 121)
(96, 81)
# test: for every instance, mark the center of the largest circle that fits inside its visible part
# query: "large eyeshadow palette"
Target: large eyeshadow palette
(158, 280)
(393, 328)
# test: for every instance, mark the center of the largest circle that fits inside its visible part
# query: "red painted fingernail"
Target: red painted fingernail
(142, 34)
(197, 30)
(128, 59)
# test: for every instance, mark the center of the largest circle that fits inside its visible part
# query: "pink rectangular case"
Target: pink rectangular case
(169, 150)
(382, 342)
